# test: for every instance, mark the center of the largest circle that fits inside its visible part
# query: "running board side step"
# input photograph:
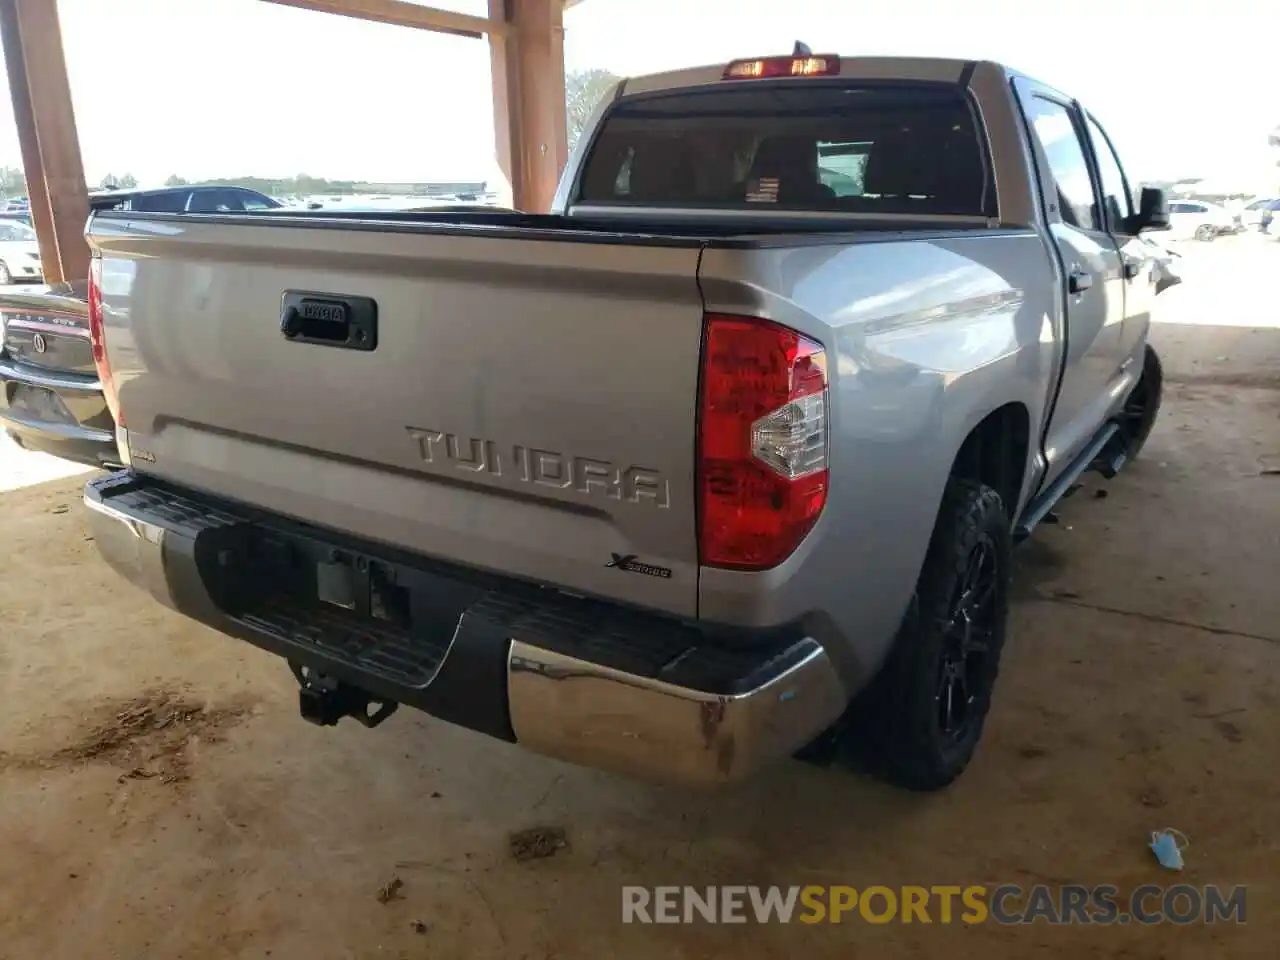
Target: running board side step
(1091, 457)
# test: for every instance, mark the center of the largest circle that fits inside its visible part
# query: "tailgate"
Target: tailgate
(528, 406)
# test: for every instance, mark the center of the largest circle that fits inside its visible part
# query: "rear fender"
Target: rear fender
(924, 340)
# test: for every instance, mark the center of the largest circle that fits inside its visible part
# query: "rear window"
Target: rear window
(898, 148)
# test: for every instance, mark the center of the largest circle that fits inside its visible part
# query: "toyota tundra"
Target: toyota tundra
(722, 458)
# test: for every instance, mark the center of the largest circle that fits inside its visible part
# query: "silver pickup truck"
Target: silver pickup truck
(722, 459)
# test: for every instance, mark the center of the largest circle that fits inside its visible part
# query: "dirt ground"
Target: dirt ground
(160, 797)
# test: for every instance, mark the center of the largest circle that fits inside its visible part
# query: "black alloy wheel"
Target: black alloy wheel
(963, 678)
(1138, 415)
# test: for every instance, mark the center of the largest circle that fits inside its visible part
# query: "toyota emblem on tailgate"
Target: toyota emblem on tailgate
(39, 343)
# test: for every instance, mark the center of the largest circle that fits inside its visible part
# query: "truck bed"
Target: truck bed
(672, 227)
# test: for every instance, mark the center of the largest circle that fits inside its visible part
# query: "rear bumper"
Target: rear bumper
(95, 448)
(583, 681)
(78, 426)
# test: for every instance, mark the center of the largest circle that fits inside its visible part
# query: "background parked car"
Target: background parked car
(187, 199)
(50, 396)
(1253, 213)
(19, 253)
(1268, 215)
(1200, 220)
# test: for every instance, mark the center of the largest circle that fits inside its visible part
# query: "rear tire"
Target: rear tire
(924, 713)
(1142, 406)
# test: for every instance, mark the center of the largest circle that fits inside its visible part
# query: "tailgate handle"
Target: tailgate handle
(329, 319)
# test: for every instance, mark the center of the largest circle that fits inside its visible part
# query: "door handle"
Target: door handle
(1131, 269)
(329, 320)
(1078, 281)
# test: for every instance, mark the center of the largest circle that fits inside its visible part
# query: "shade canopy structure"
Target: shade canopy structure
(526, 47)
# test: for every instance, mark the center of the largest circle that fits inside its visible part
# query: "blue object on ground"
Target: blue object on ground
(1167, 845)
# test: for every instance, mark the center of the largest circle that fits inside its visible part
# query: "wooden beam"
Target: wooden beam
(47, 136)
(400, 13)
(41, 215)
(527, 65)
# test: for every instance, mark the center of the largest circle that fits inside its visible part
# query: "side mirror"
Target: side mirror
(1153, 211)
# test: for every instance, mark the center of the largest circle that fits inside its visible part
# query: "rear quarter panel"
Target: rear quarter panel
(924, 337)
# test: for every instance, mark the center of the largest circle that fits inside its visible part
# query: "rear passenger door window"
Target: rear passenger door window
(1068, 162)
(228, 201)
(214, 201)
(252, 201)
(175, 202)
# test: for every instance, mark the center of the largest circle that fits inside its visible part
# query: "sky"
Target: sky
(214, 88)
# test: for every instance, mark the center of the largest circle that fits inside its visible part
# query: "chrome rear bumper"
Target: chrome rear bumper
(588, 714)
(518, 669)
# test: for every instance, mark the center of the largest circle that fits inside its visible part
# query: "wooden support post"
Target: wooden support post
(15, 67)
(46, 125)
(528, 98)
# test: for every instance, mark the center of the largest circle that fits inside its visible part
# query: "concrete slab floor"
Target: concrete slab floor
(1141, 689)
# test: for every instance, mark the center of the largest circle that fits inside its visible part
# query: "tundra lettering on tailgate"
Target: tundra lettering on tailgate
(545, 467)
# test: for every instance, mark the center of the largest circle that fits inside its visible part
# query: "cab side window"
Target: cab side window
(1056, 131)
(1117, 201)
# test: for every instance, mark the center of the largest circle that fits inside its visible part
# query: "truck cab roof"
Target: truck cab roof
(943, 69)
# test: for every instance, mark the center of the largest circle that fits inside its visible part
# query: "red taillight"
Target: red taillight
(98, 338)
(766, 68)
(762, 442)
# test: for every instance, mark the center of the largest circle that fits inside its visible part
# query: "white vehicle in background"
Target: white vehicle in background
(1199, 220)
(19, 253)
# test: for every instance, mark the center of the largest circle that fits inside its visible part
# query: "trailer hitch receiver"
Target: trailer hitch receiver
(324, 700)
